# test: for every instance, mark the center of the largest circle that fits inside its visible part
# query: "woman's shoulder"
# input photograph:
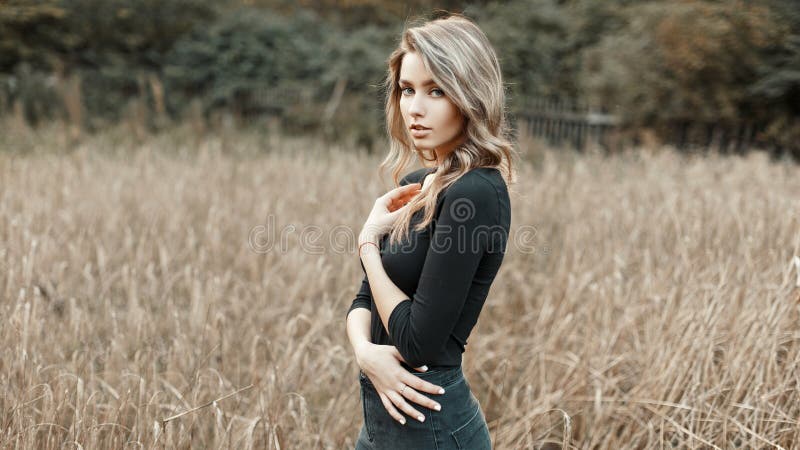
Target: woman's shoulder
(484, 184)
(480, 182)
(481, 194)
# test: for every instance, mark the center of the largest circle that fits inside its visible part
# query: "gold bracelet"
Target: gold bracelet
(367, 242)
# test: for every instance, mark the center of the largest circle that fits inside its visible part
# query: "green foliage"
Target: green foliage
(109, 43)
(702, 62)
(778, 84)
(320, 65)
(93, 33)
(249, 62)
(683, 61)
(532, 38)
(30, 32)
(359, 58)
(38, 90)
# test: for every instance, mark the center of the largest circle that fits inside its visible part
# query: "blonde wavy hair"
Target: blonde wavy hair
(462, 61)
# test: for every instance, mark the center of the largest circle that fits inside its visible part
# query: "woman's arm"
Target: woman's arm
(372, 252)
(385, 293)
(358, 323)
(358, 328)
(420, 328)
(381, 362)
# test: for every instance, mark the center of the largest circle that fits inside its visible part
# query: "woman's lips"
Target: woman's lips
(420, 133)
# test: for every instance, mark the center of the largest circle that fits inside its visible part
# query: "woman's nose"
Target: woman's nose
(416, 108)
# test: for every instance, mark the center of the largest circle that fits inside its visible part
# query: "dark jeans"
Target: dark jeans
(460, 424)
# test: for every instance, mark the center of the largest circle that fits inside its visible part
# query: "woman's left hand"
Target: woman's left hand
(381, 364)
(386, 209)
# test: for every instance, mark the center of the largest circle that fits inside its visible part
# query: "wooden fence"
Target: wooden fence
(564, 122)
(568, 123)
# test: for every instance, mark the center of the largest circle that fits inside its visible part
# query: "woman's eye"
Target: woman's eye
(440, 92)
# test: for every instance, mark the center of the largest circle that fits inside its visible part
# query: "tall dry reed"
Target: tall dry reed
(647, 299)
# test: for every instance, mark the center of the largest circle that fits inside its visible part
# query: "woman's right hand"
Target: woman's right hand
(381, 364)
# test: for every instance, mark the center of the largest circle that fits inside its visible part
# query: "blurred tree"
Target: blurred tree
(588, 21)
(29, 32)
(111, 44)
(320, 65)
(776, 93)
(683, 62)
(89, 33)
(250, 62)
(531, 38)
(359, 60)
(357, 13)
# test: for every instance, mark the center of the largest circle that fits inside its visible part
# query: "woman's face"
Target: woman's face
(424, 104)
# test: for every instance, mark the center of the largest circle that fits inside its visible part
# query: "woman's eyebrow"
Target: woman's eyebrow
(424, 83)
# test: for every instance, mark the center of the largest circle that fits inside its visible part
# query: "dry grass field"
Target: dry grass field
(187, 292)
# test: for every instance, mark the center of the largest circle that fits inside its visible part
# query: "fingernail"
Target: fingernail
(441, 391)
(424, 367)
(403, 421)
(421, 418)
(438, 407)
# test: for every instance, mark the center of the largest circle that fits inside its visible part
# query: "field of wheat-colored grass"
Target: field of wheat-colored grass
(647, 299)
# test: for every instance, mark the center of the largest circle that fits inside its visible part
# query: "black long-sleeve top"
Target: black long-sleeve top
(446, 269)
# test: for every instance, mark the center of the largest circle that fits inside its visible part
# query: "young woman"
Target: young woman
(431, 247)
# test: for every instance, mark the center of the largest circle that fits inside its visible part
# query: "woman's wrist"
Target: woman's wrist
(360, 349)
(368, 241)
(366, 248)
(368, 234)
